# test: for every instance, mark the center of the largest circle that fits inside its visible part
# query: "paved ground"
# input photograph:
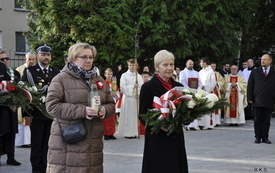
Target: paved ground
(225, 149)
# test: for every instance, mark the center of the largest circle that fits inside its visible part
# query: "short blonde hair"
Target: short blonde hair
(76, 49)
(163, 55)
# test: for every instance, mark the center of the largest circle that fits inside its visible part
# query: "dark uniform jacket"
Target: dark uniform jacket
(260, 89)
(39, 78)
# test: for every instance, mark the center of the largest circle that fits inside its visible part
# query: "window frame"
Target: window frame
(17, 52)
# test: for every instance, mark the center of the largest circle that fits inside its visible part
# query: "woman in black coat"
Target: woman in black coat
(162, 153)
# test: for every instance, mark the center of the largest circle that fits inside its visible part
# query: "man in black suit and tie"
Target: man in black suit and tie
(260, 93)
(40, 74)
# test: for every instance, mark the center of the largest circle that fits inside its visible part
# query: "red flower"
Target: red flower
(99, 84)
(177, 102)
(11, 87)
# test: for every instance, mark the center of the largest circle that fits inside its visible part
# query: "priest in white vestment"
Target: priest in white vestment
(130, 84)
(207, 78)
(189, 78)
(235, 88)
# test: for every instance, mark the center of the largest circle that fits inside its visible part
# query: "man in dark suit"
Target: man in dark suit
(260, 93)
(40, 74)
(8, 117)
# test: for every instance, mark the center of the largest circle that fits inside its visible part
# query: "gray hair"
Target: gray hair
(163, 55)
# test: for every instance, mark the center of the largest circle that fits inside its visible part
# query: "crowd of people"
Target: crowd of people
(123, 97)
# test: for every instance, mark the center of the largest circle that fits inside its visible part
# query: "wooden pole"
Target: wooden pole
(136, 64)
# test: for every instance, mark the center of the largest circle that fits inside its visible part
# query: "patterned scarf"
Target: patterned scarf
(85, 74)
(10, 72)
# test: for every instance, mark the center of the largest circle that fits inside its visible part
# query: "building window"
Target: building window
(21, 46)
(18, 6)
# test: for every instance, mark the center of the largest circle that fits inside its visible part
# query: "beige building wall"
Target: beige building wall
(12, 20)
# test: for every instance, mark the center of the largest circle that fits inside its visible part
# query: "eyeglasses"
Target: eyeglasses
(86, 57)
(6, 58)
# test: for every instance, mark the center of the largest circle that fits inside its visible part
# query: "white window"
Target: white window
(20, 43)
(18, 6)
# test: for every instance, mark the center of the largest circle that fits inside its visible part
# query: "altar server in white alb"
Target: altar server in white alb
(130, 84)
(235, 88)
(218, 91)
(207, 77)
(189, 78)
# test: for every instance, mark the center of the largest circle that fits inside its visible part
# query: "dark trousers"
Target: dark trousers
(8, 142)
(262, 118)
(40, 133)
(248, 111)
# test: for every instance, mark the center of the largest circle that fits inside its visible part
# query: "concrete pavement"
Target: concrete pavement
(225, 149)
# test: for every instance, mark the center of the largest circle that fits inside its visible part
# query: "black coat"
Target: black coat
(260, 89)
(8, 118)
(162, 153)
(39, 78)
(3, 72)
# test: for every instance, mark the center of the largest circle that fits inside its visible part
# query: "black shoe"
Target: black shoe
(192, 128)
(201, 127)
(13, 162)
(112, 137)
(257, 141)
(106, 137)
(130, 137)
(266, 141)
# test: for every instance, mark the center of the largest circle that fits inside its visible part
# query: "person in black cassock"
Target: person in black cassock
(41, 73)
(162, 153)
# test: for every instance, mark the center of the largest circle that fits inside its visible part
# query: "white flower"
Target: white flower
(186, 90)
(211, 98)
(191, 104)
(43, 99)
(34, 88)
(20, 83)
(201, 92)
(188, 95)
(198, 95)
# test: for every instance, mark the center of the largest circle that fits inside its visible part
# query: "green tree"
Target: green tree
(257, 25)
(188, 28)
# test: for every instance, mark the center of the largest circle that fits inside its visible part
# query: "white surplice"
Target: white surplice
(128, 119)
(183, 79)
(219, 87)
(208, 80)
(23, 137)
